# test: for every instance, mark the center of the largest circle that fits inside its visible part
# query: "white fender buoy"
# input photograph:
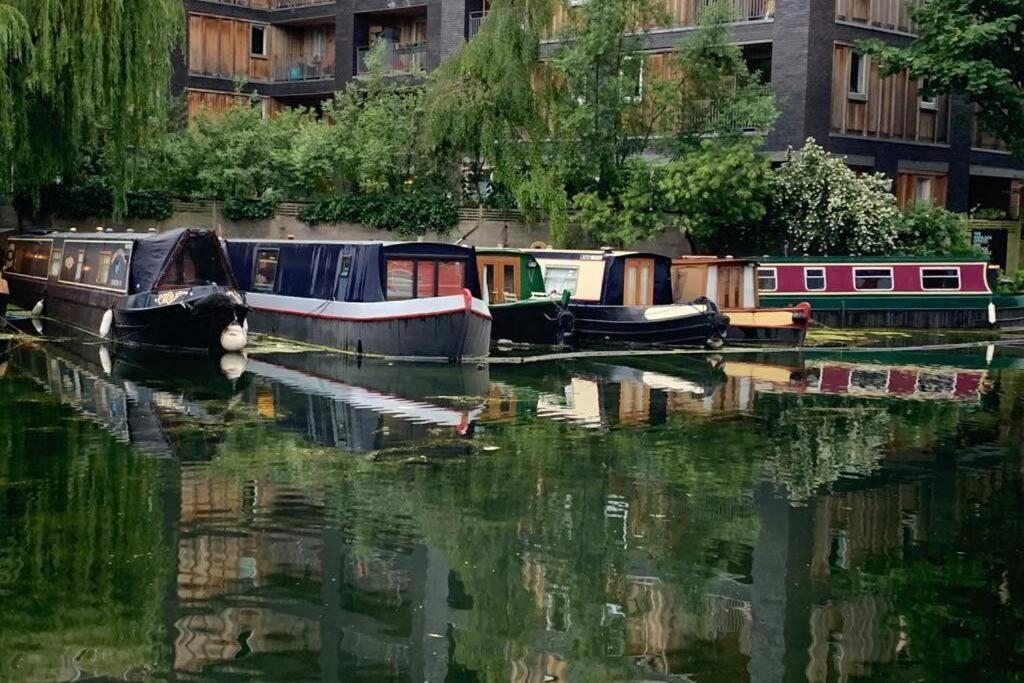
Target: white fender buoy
(991, 313)
(107, 324)
(37, 310)
(232, 365)
(245, 325)
(234, 338)
(105, 361)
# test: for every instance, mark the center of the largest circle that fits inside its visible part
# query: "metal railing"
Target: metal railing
(889, 15)
(306, 69)
(753, 10)
(274, 4)
(474, 22)
(398, 57)
(710, 114)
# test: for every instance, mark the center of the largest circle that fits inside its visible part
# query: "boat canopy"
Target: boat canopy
(177, 258)
(359, 271)
(600, 276)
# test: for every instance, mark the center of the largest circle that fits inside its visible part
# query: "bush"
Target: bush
(929, 230)
(237, 209)
(149, 204)
(405, 213)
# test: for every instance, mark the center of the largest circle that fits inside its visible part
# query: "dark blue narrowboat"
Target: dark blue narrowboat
(173, 289)
(625, 297)
(392, 299)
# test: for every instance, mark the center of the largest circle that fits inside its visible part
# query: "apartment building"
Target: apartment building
(298, 52)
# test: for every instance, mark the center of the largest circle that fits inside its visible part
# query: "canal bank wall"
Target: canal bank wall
(476, 227)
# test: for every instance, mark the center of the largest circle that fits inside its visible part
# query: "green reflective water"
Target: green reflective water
(673, 519)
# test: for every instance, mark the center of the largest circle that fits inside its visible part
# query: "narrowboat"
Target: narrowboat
(732, 284)
(523, 310)
(402, 300)
(625, 297)
(173, 290)
(906, 292)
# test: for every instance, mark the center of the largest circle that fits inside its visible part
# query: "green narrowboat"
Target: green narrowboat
(523, 311)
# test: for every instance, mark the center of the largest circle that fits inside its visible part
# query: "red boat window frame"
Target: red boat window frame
(424, 283)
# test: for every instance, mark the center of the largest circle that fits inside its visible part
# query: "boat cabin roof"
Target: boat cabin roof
(699, 260)
(860, 260)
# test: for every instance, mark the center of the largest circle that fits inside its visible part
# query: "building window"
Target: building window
(858, 89)
(266, 269)
(872, 279)
(814, 279)
(929, 102)
(924, 189)
(258, 40)
(940, 278)
(766, 280)
(557, 279)
(632, 74)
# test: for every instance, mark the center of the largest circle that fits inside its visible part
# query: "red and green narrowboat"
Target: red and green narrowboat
(861, 291)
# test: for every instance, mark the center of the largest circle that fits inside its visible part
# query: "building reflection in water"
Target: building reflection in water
(564, 570)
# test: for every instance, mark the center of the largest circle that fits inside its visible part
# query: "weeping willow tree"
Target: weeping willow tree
(77, 74)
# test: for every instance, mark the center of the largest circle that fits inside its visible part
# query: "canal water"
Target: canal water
(303, 517)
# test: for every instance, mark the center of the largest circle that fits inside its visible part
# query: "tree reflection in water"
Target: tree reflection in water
(587, 522)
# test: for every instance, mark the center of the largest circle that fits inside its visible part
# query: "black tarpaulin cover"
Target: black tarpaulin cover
(150, 256)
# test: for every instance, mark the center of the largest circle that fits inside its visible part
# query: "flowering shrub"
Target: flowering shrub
(821, 206)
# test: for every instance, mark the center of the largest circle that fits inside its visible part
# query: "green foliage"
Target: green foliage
(820, 206)
(245, 209)
(972, 48)
(149, 204)
(78, 73)
(929, 230)
(1011, 285)
(627, 214)
(717, 191)
(989, 214)
(405, 213)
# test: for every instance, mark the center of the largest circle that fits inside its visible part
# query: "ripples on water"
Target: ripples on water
(766, 518)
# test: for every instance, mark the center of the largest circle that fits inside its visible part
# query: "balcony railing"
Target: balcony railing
(711, 115)
(311, 69)
(398, 58)
(274, 4)
(888, 15)
(753, 10)
(474, 22)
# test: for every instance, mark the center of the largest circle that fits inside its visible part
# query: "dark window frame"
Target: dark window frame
(889, 275)
(256, 268)
(436, 260)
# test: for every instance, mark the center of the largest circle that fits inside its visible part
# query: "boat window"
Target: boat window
(940, 278)
(767, 280)
(55, 258)
(31, 258)
(346, 266)
(199, 263)
(872, 278)
(814, 279)
(450, 278)
(266, 269)
(425, 273)
(400, 278)
(432, 277)
(557, 279)
(99, 264)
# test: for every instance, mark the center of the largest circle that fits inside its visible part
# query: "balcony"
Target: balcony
(711, 115)
(404, 58)
(301, 70)
(273, 4)
(474, 23)
(885, 15)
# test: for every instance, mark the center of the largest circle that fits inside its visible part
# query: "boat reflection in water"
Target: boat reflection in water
(362, 406)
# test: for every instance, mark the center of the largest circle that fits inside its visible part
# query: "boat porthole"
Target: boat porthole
(37, 310)
(107, 324)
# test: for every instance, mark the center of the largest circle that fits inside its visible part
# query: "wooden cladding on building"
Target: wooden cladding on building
(889, 15)
(677, 13)
(914, 188)
(865, 104)
(211, 102)
(222, 48)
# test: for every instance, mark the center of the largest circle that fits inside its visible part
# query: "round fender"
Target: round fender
(107, 324)
(232, 365)
(37, 310)
(233, 339)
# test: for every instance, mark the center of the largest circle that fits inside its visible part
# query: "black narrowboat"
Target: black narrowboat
(173, 290)
(411, 300)
(625, 297)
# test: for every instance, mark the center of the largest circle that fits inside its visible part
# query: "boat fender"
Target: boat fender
(245, 325)
(232, 365)
(991, 313)
(37, 310)
(233, 339)
(105, 361)
(714, 343)
(107, 324)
